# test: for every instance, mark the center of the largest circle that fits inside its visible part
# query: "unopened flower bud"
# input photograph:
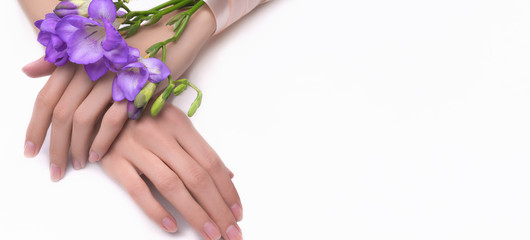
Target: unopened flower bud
(179, 89)
(195, 105)
(133, 112)
(133, 29)
(154, 19)
(144, 95)
(157, 106)
(72, 7)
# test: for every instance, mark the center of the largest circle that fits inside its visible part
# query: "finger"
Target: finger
(172, 188)
(48, 97)
(38, 68)
(230, 173)
(195, 178)
(193, 143)
(124, 173)
(111, 125)
(85, 119)
(63, 114)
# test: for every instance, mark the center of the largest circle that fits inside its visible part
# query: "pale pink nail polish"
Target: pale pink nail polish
(234, 233)
(169, 224)
(29, 149)
(211, 230)
(76, 164)
(55, 172)
(93, 157)
(237, 211)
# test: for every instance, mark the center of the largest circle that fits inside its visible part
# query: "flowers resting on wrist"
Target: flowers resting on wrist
(90, 33)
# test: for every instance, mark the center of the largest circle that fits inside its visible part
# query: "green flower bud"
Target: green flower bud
(145, 95)
(195, 105)
(133, 29)
(179, 89)
(157, 106)
(154, 19)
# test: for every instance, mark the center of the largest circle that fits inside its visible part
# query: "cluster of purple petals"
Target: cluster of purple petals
(95, 43)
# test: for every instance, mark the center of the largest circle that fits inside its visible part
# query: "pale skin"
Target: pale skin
(166, 149)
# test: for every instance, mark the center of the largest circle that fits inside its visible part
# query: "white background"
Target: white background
(375, 119)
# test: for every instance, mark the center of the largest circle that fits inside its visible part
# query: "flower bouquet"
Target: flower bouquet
(92, 33)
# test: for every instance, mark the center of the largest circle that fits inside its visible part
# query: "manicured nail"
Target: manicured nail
(169, 224)
(234, 233)
(93, 157)
(237, 211)
(55, 172)
(29, 149)
(211, 230)
(76, 164)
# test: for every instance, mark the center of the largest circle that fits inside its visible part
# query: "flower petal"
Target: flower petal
(65, 30)
(131, 81)
(80, 22)
(48, 25)
(102, 9)
(44, 38)
(112, 36)
(117, 93)
(65, 12)
(38, 23)
(119, 55)
(56, 51)
(134, 54)
(57, 43)
(84, 49)
(158, 70)
(96, 70)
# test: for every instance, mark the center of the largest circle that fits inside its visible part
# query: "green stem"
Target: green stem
(195, 7)
(164, 53)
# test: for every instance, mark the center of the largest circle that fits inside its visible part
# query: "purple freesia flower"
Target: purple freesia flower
(94, 42)
(132, 78)
(55, 47)
(72, 7)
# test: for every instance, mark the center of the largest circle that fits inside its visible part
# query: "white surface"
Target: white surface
(367, 120)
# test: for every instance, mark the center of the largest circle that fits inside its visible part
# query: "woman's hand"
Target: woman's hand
(183, 167)
(74, 105)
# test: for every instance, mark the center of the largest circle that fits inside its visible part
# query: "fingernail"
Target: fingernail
(29, 149)
(93, 157)
(169, 224)
(76, 164)
(237, 211)
(211, 230)
(55, 172)
(234, 233)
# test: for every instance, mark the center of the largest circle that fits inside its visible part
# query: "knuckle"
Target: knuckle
(198, 178)
(113, 120)
(61, 113)
(135, 190)
(44, 99)
(212, 161)
(82, 118)
(169, 183)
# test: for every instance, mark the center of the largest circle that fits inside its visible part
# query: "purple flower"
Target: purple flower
(72, 7)
(94, 41)
(131, 79)
(55, 47)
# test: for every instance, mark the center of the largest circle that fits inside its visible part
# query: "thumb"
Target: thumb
(38, 68)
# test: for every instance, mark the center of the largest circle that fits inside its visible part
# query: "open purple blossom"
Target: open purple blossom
(55, 47)
(132, 78)
(72, 7)
(94, 41)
